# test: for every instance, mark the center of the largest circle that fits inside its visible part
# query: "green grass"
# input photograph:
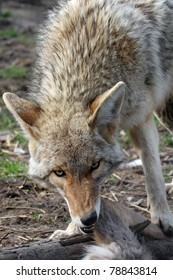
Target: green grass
(13, 72)
(9, 33)
(7, 122)
(166, 173)
(36, 216)
(20, 138)
(8, 166)
(157, 122)
(112, 178)
(25, 40)
(10, 169)
(6, 14)
(168, 141)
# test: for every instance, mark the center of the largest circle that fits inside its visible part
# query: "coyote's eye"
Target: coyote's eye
(60, 173)
(95, 165)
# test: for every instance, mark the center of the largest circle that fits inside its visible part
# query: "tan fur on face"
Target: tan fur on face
(81, 190)
(82, 195)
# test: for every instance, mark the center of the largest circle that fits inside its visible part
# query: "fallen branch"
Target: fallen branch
(71, 248)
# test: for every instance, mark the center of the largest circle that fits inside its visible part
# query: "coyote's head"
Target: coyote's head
(72, 149)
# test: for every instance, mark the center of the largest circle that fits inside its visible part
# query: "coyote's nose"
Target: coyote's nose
(89, 220)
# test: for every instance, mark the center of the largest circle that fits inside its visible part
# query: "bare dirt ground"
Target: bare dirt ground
(30, 212)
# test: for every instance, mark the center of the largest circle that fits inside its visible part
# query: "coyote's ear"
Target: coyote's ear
(25, 112)
(105, 111)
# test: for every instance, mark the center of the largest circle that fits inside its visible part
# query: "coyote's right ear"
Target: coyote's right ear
(25, 112)
(105, 111)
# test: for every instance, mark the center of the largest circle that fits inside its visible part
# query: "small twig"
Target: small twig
(15, 230)
(107, 197)
(5, 235)
(76, 239)
(10, 217)
(139, 208)
(160, 121)
(8, 152)
(116, 176)
(24, 238)
(30, 208)
(26, 182)
(169, 187)
(114, 196)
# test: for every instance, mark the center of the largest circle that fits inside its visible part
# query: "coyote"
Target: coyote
(103, 65)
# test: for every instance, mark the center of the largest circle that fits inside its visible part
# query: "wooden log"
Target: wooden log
(73, 248)
(66, 249)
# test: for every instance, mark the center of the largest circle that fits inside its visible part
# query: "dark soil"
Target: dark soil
(30, 212)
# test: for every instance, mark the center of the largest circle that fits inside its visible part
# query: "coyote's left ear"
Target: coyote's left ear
(24, 111)
(105, 111)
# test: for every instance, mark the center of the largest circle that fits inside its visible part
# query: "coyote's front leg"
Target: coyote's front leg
(146, 141)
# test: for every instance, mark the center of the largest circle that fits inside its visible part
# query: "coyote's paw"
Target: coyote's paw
(164, 219)
(59, 234)
(70, 230)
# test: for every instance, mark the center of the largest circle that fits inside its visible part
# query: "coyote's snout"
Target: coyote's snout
(103, 65)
